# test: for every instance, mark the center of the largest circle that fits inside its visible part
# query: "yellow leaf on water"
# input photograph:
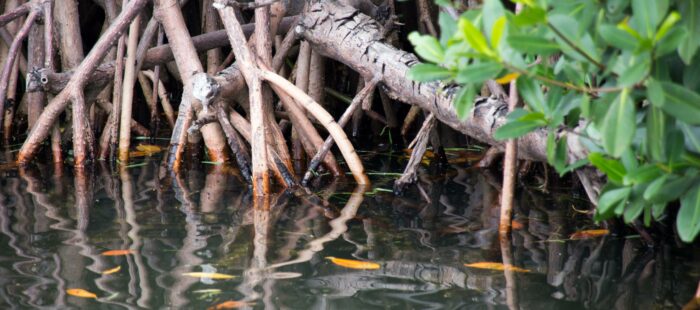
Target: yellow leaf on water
(587, 234)
(209, 275)
(117, 252)
(495, 266)
(113, 270)
(507, 78)
(148, 149)
(79, 292)
(231, 304)
(353, 264)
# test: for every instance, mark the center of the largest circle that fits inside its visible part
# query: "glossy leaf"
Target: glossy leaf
(479, 72)
(657, 123)
(531, 94)
(617, 38)
(353, 264)
(209, 275)
(427, 47)
(690, 11)
(497, 31)
(464, 100)
(475, 38)
(496, 266)
(532, 45)
(681, 102)
(612, 168)
(688, 219)
(517, 127)
(619, 125)
(610, 199)
(79, 292)
(428, 72)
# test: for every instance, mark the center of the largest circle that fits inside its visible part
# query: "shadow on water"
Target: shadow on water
(54, 228)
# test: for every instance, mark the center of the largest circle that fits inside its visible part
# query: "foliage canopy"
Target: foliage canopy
(627, 71)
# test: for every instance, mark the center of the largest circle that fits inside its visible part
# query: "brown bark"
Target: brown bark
(51, 112)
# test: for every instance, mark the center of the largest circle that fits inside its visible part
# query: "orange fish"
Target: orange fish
(231, 304)
(113, 270)
(588, 234)
(353, 264)
(495, 266)
(209, 275)
(79, 292)
(117, 252)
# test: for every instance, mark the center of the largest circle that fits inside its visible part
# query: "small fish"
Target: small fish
(231, 304)
(209, 275)
(117, 252)
(149, 149)
(353, 264)
(113, 270)
(588, 234)
(495, 266)
(79, 292)
(516, 225)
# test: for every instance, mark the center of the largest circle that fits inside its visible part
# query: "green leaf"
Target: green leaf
(531, 44)
(692, 136)
(497, 31)
(619, 125)
(428, 72)
(643, 174)
(647, 15)
(612, 168)
(464, 101)
(475, 38)
(690, 10)
(492, 11)
(617, 38)
(531, 93)
(427, 47)
(668, 189)
(610, 199)
(688, 219)
(655, 92)
(670, 42)
(670, 20)
(634, 73)
(657, 210)
(633, 210)
(530, 15)
(448, 27)
(657, 123)
(521, 126)
(479, 72)
(681, 102)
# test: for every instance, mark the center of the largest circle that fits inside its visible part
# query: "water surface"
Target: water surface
(53, 230)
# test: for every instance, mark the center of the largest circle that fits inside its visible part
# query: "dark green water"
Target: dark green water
(54, 229)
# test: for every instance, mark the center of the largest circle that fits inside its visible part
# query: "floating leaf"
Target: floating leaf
(209, 275)
(79, 292)
(113, 270)
(231, 304)
(507, 78)
(117, 252)
(495, 266)
(588, 234)
(353, 264)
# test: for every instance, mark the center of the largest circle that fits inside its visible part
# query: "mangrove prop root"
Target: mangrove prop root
(419, 145)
